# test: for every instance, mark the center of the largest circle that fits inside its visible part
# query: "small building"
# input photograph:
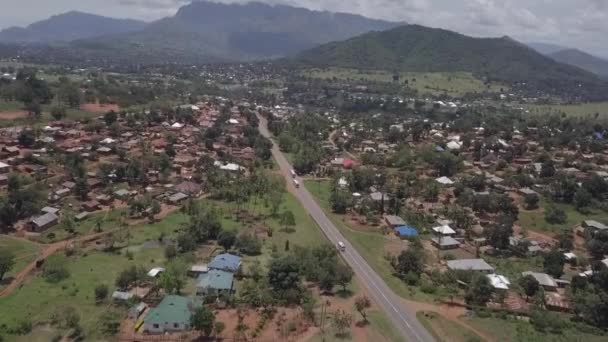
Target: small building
(155, 272)
(226, 262)
(479, 265)
(499, 282)
(50, 210)
(90, 206)
(177, 198)
(197, 270)
(444, 181)
(122, 194)
(81, 216)
(445, 242)
(137, 310)
(171, 315)
(4, 167)
(215, 282)
(593, 225)
(188, 188)
(44, 222)
(444, 230)
(543, 279)
(394, 221)
(121, 296)
(406, 232)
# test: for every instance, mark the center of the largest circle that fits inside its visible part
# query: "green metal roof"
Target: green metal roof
(172, 309)
(215, 279)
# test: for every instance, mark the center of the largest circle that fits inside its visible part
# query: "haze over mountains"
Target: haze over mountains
(67, 27)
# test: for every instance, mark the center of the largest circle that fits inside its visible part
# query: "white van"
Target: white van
(293, 174)
(296, 183)
(341, 246)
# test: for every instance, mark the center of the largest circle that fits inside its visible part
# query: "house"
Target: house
(155, 272)
(394, 221)
(527, 192)
(122, 194)
(172, 314)
(44, 222)
(50, 210)
(594, 226)
(544, 280)
(81, 216)
(4, 168)
(121, 296)
(177, 198)
(470, 265)
(444, 230)
(188, 188)
(499, 282)
(197, 270)
(226, 262)
(90, 206)
(444, 181)
(215, 282)
(445, 242)
(406, 232)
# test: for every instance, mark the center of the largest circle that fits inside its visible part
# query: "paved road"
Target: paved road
(403, 318)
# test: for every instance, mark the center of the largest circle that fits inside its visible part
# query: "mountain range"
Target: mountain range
(202, 30)
(419, 48)
(67, 27)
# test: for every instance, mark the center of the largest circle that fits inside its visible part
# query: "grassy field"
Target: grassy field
(445, 330)
(578, 110)
(71, 114)
(535, 220)
(371, 245)
(511, 330)
(24, 251)
(453, 84)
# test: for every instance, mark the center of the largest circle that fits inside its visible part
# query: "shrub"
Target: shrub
(101, 292)
(54, 269)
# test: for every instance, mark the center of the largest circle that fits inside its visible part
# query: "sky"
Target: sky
(573, 23)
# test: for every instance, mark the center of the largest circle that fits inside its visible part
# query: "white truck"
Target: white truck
(341, 246)
(293, 173)
(296, 183)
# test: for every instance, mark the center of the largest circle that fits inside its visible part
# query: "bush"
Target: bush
(54, 269)
(248, 244)
(170, 251)
(554, 215)
(101, 292)
(428, 287)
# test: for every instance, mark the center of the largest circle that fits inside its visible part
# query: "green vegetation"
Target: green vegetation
(417, 48)
(435, 83)
(514, 330)
(583, 110)
(23, 250)
(531, 220)
(445, 330)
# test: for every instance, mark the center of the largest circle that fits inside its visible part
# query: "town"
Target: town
(282, 200)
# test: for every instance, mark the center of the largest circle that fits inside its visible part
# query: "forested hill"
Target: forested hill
(418, 48)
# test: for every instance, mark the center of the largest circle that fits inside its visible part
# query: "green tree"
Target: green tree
(531, 201)
(101, 293)
(7, 262)
(226, 239)
(342, 321)
(288, 219)
(218, 328)
(555, 215)
(553, 263)
(582, 198)
(409, 261)
(344, 275)
(203, 320)
(499, 233)
(362, 304)
(110, 117)
(529, 285)
(480, 290)
(58, 113)
(284, 274)
(26, 138)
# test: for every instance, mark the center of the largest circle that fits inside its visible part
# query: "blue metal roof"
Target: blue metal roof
(226, 262)
(406, 231)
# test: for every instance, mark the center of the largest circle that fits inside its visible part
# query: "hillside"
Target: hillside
(582, 60)
(546, 48)
(235, 32)
(67, 27)
(422, 49)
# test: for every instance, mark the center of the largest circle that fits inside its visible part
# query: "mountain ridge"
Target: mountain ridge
(583, 60)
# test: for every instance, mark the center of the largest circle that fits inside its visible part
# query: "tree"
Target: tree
(203, 320)
(553, 263)
(555, 215)
(101, 293)
(342, 320)
(54, 269)
(226, 239)
(547, 170)
(170, 251)
(582, 198)
(284, 274)
(480, 290)
(409, 261)
(344, 275)
(362, 304)
(58, 113)
(110, 117)
(499, 233)
(7, 262)
(26, 138)
(218, 328)
(288, 219)
(155, 209)
(530, 285)
(327, 280)
(531, 201)
(172, 280)
(340, 201)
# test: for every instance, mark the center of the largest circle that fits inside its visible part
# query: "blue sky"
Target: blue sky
(575, 23)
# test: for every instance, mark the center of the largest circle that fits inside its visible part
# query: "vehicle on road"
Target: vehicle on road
(341, 246)
(296, 183)
(293, 174)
